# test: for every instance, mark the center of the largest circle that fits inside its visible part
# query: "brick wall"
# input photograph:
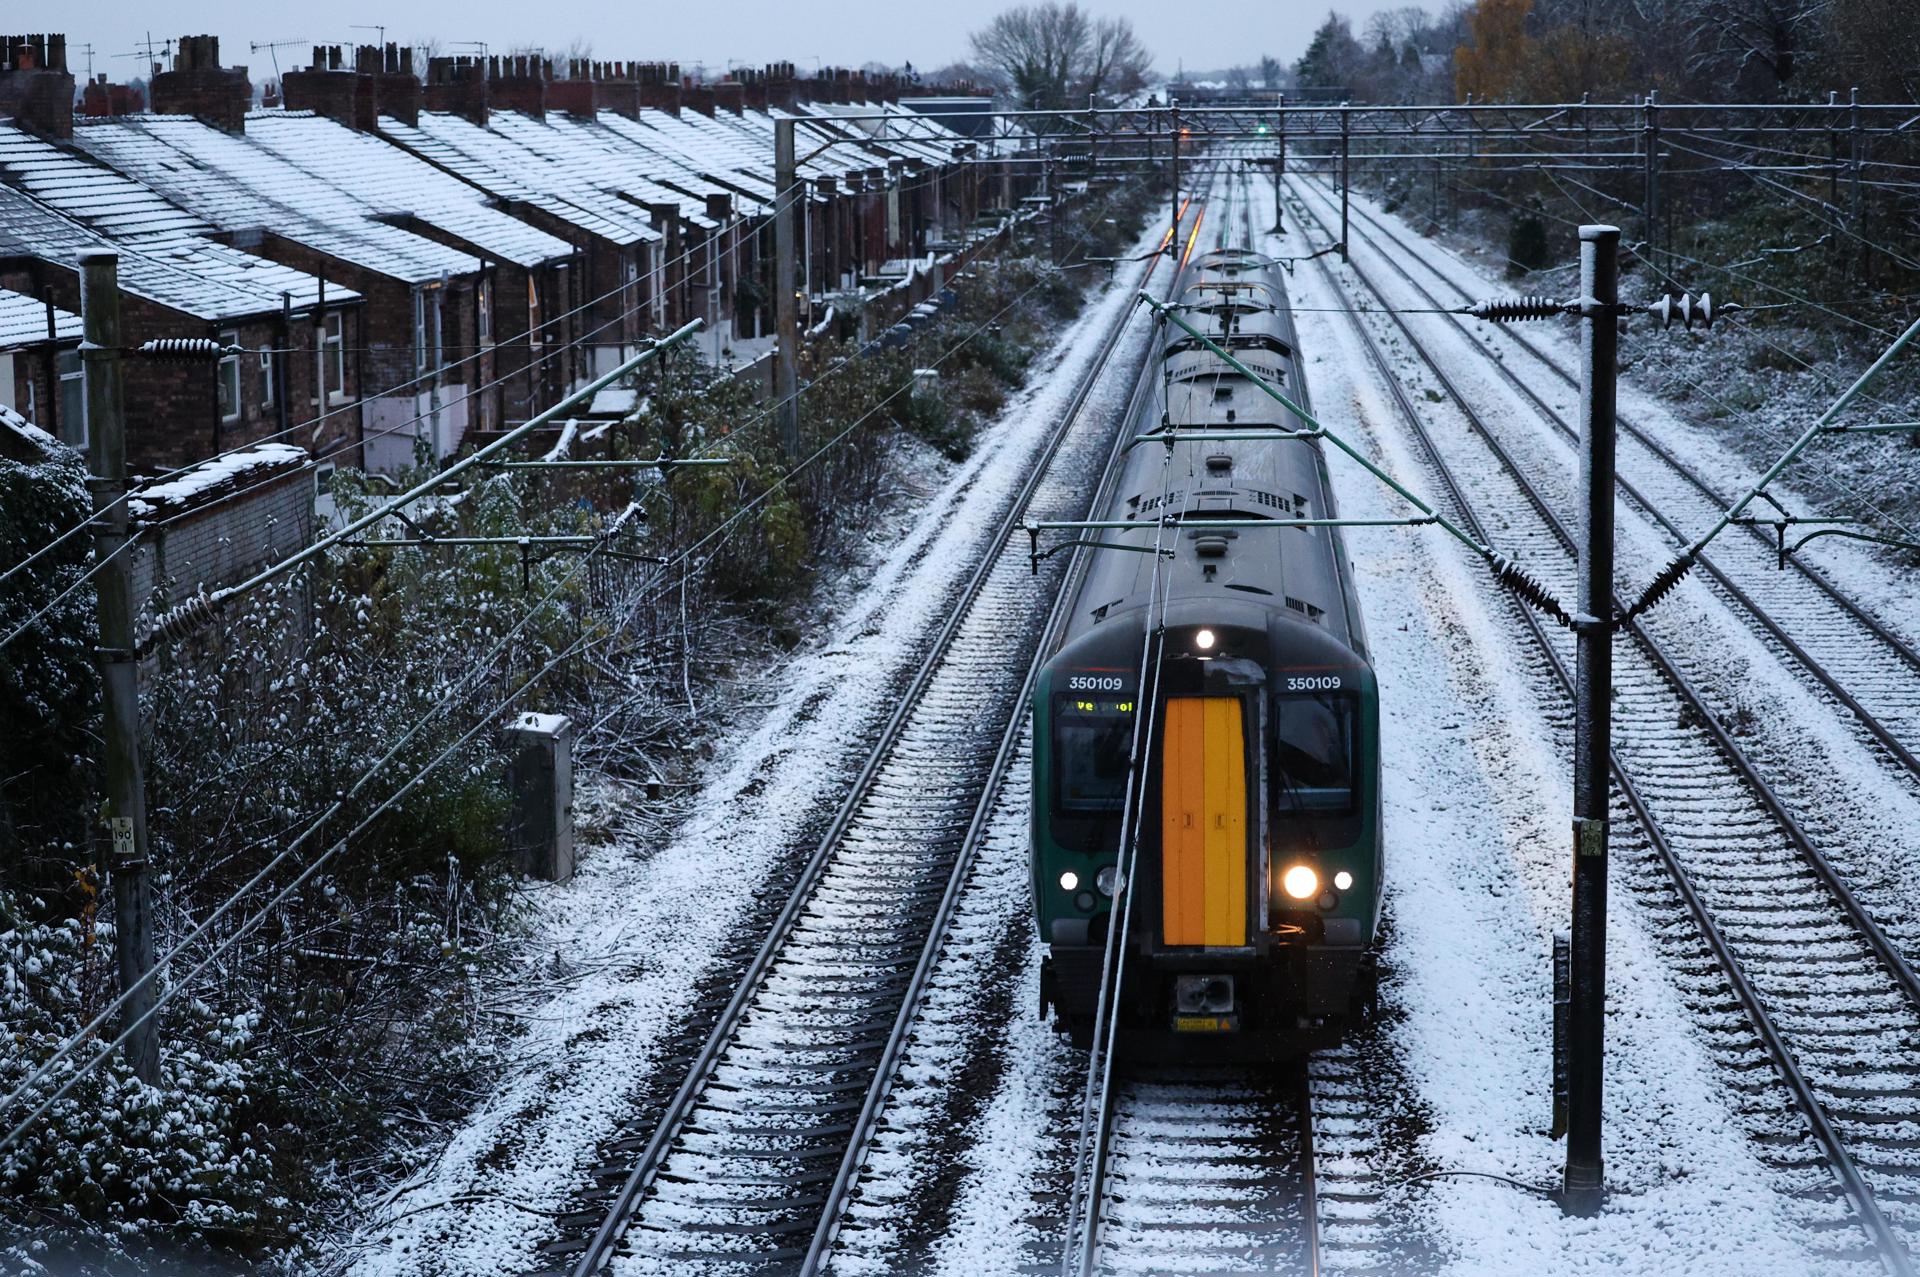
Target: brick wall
(173, 417)
(252, 523)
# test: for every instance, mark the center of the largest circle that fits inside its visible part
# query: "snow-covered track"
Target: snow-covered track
(1210, 1171)
(736, 1169)
(1831, 1002)
(1837, 642)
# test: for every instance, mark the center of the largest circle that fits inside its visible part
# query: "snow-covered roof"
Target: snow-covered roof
(216, 477)
(721, 155)
(116, 206)
(124, 210)
(390, 182)
(498, 159)
(242, 187)
(588, 157)
(23, 321)
(194, 276)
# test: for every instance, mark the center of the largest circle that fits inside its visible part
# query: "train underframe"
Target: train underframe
(1268, 1006)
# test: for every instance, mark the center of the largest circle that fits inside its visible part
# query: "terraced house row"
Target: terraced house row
(403, 260)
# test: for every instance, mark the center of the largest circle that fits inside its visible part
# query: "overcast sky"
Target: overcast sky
(1201, 34)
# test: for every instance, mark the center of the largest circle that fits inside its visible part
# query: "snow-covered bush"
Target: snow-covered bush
(117, 1165)
(49, 690)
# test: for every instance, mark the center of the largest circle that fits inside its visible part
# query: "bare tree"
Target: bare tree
(1117, 63)
(1271, 72)
(1051, 55)
(1754, 46)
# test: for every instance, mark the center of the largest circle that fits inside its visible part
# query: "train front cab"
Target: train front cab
(1259, 872)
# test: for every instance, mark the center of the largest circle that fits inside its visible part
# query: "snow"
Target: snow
(613, 400)
(391, 183)
(641, 924)
(196, 277)
(544, 724)
(509, 168)
(192, 486)
(242, 188)
(23, 322)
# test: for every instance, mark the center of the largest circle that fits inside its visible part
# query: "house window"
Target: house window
(73, 398)
(484, 323)
(426, 331)
(333, 358)
(229, 375)
(267, 396)
(533, 314)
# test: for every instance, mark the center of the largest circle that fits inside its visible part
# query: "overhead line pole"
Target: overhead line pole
(1584, 1185)
(125, 806)
(786, 308)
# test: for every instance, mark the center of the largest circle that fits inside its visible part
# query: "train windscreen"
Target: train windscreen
(1092, 737)
(1313, 764)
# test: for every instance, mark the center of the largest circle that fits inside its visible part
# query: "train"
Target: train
(1209, 707)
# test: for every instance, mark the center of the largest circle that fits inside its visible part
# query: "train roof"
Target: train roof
(1243, 482)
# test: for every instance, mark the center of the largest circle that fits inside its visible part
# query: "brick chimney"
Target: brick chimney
(697, 96)
(396, 89)
(457, 86)
(616, 88)
(660, 86)
(574, 94)
(35, 86)
(518, 82)
(728, 95)
(780, 85)
(101, 99)
(329, 88)
(752, 88)
(199, 86)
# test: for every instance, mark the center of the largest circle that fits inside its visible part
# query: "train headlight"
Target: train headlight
(1300, 882)
(1343, 881)
(1203, 639)
(1107, 879)
(1069, 881)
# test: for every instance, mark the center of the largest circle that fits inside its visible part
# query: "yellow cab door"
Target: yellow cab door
(1203, 823)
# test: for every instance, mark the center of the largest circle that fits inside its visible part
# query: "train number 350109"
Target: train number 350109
(1313, 683)
(1095, 683)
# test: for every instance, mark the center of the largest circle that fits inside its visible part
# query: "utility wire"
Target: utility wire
(446, 700)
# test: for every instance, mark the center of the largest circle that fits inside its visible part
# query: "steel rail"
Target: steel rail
(1900, 751)
(866, 1123)
(1310, 1204)
(674, 1116)
(1083, 1252)
(1093, 1146)
(1889, 954)
(1889, 1245)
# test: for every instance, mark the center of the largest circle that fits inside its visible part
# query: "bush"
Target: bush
(47, 675)
(115, 1164)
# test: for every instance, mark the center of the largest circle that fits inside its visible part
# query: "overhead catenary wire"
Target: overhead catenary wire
(446, 700)
(547, 353)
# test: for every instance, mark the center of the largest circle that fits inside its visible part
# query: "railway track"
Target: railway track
(744, 1165)
(1196, 1169)
(1831, 1003)
(1209, 1170)
(1852, 657)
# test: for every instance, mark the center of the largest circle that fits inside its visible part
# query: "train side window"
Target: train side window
(1313, 763)
(1092, 738)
